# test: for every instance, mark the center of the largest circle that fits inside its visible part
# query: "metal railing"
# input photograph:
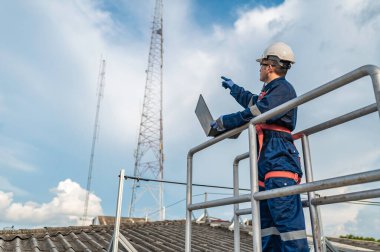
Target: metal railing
(310, 186)
(118, 237)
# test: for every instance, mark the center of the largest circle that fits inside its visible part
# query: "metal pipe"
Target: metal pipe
(118, 213)
(217, 139)
(337, 121)
(254, 178)
(220, 202)
(244, 211)
(249, 210)
(315, 224)
(324, 240)
(240, 158)
(189, 195)
(375, 76)
(369, 194)
(353, 179)
(205, 214)
(236, 205)
(326, 200)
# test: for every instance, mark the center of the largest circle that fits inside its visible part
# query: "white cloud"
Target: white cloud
(66, 208)
(349, 218)
(5, 199)
(365, 219)
(334, 218)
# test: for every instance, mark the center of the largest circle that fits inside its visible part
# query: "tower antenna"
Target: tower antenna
(101, 83)
(149, 157)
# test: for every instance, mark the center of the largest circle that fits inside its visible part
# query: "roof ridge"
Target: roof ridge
(64, 230)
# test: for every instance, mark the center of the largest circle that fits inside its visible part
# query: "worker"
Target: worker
(282, 218)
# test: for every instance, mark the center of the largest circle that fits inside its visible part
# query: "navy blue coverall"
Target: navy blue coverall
(282, 218)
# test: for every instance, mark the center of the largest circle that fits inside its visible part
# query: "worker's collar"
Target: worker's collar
(273, 83)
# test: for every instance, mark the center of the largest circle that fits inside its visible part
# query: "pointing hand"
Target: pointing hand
(227, 83)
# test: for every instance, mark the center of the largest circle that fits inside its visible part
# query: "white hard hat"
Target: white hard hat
(278, 50)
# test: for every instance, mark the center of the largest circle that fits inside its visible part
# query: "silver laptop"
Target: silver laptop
(205, 118)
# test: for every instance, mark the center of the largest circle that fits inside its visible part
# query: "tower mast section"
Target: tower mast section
(149, 157)
(101, 83)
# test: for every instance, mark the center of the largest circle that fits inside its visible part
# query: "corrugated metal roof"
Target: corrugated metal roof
(149, 236)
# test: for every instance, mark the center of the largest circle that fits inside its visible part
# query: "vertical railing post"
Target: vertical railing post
(205, 214)
(376, 88)
(256, 225)
(316, 225)
(118, 213)
(188, 202)
(236, 207)
(322, 236)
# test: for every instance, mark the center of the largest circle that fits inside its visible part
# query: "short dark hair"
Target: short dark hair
(278, 69)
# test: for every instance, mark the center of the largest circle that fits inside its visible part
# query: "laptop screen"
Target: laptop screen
(204, 115)
(205, 118)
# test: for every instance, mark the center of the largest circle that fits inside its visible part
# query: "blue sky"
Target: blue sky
(51, 51)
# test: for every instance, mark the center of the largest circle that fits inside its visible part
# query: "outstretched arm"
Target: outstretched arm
(243, 97)
(235, 120)
(276, 97)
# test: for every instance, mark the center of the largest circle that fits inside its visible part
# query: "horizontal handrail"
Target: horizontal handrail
(326, 200)
(337, 121)
(244, 211)
(220, 202)
(325, 125)
(319, 91)
(353, 179)
(369, 194)
(216, 139)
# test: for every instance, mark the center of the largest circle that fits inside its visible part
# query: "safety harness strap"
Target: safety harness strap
(261, 184)
(260, 133)
(281, 174)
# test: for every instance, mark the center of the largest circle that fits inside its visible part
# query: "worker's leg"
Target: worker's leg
(288, 217)
(270, 236)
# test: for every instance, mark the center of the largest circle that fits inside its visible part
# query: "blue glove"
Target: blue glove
(218, 124)
(227, 83)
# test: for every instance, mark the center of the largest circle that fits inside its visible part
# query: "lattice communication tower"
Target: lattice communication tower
(149, 157)
(101, 83)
